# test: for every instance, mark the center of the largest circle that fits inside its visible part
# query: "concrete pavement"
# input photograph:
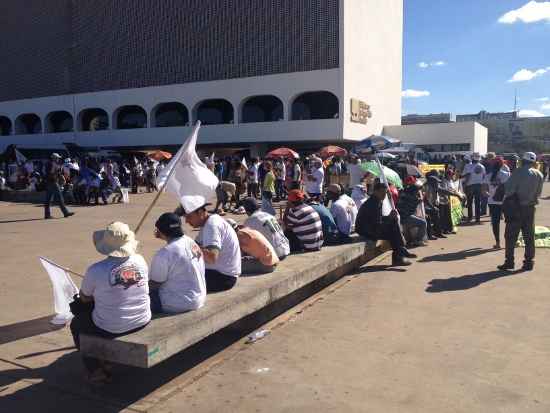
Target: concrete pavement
(448, 334)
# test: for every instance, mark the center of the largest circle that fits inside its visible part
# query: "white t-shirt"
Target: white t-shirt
(179, 266)
(316, 185)
(344, 212)
(297, 173)
(477, 173)
(121, 293)
(267, 225)
(502, 177)
(217, 233)
(356, 174)
(253, 173)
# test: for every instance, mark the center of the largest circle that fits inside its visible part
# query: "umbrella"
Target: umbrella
(159, 155)
(331, 150)
(392, 176)
(282, 153)
(375, 143)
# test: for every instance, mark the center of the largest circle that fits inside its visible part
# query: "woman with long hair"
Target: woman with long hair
(494, 189)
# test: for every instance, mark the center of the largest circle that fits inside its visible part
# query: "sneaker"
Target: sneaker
(69, 214)
(408, 254)
(441, 236)
(507, 266)
(528, 266)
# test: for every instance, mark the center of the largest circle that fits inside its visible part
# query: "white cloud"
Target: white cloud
(525, 75)
(528, 113)
(411, 93)
(543, 100)
(425, 65)
(546, 106)
(531, 12)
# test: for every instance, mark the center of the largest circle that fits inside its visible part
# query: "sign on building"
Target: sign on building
(360, 111)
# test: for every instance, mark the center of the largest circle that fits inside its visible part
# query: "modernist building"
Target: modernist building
(255, 72)
(414, 119)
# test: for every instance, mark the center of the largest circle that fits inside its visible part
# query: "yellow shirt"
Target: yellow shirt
(269, 182)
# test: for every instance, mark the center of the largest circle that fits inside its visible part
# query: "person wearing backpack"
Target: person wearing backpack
(493, 188)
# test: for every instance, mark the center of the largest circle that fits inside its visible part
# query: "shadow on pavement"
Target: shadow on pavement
(25, 329)
(22, 220)
(466, 281)
(455, 256)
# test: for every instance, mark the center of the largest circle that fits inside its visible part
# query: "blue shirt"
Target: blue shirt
(327, 220)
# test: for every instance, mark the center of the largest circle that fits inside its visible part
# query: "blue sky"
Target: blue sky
(465, 54)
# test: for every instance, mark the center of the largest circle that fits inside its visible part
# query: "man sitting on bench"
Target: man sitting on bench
(373, 226)
(304, 229)
(220, 248)
(344, 211)
(177, 281)
(117, 290)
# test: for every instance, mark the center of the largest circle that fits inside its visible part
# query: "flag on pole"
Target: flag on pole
(19, 157)
(243, 163)
(187, 177)
(64, 289)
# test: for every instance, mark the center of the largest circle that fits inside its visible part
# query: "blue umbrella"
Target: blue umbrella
(375, 143)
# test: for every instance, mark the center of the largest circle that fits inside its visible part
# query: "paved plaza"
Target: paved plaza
(448, 334)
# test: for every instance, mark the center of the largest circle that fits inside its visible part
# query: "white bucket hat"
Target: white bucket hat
(117, 240)
(530, 156)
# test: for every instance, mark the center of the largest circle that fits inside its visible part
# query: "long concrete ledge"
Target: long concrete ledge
(170, 334)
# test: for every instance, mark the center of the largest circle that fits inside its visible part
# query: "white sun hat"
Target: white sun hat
(117, 240)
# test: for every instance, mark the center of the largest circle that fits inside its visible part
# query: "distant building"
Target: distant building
(414, 119)
(483, 115)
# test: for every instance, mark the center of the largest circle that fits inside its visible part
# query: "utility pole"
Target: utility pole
(515, 100)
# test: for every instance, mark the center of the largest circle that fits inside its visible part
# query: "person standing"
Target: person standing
(268, 189)
(253, 179)
(53, 190)
(474, 175)
(522, 192)
(315, 180)
(494, 190)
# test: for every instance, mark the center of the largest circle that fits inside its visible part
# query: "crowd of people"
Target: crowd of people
(120, 293)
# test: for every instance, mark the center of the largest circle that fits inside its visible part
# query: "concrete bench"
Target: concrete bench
(168, 335)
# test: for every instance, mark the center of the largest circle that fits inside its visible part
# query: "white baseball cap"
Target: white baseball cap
(530, 156)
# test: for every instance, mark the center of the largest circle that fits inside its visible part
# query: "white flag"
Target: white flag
(64, 290)
(243, 163)
(187, 177)
(19, 157)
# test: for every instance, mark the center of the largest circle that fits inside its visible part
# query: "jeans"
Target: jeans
(156, 304)
(216, 281)
(525, 224)
(280, 188)
(267, 205)
(419, 225)
(251, 265)
(53, 191)
(473, 194)
(83, 324)
(496, 216)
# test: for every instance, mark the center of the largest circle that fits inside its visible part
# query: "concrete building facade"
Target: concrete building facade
(255, 73)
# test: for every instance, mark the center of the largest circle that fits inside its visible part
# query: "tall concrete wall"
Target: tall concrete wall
(371, 59)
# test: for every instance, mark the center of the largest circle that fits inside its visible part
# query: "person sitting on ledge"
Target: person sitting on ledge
(267, 225)
(258, 256)
(220, 248)
(372, 225)
(114, 296)
(177, 282)
(344, 211)
(303, 224)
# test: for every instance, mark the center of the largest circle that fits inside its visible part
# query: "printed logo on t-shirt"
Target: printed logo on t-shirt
(196, 251)
(126, 275)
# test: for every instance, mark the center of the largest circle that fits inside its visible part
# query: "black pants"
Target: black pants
(390, 231)
(83, 324)
(433, 220)
(445, 219)
(526, 224)
(473, 194)
(216, 281)
(252, 190)
(54, 191)
(293, 241)
(496, 216)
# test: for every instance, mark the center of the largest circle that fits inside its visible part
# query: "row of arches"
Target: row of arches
(264, 108)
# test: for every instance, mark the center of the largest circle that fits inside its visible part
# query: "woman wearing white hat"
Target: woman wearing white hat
(117, 289)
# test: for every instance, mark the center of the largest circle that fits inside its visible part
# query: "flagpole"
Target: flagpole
(160, 191)
(63, 268)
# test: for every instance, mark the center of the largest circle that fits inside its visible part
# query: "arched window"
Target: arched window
(131, 117)
(170, 114)
(58, 122)
(5, 126)
(28, 124)
(264, 108)
(315, 105)
(215, 112)
(93, 119)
